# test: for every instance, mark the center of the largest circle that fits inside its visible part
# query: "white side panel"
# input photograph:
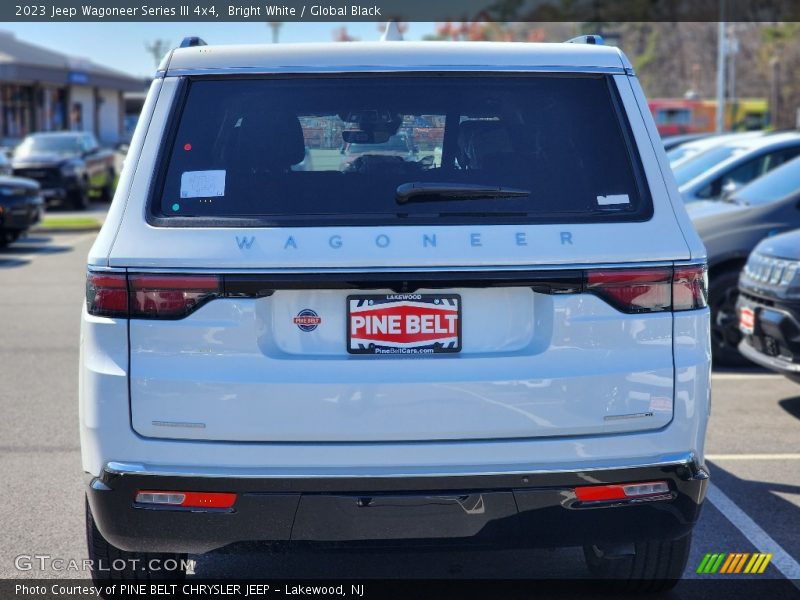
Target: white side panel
(102, 382)
(693, 373)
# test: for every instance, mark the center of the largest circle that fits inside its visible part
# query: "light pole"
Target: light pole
(721, 73)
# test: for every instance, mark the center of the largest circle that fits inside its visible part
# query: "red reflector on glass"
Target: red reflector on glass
(107, 294)
(623, 491)
(186, 499)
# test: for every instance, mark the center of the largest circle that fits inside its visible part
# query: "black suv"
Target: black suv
(769, 305)
(67, 165)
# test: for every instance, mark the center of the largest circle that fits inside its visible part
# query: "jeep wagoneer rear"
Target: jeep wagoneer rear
(500, 335)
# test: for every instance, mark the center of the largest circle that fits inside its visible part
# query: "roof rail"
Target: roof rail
(192, 41)
(593, 39)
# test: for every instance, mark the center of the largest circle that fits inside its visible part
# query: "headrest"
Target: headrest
(270, 140)
(479, 140)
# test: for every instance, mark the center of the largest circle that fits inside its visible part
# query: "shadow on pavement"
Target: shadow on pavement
(791, 406)
(18, 253)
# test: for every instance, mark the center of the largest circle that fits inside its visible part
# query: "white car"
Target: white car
(507, 346)
(724, 168)
(685, 152)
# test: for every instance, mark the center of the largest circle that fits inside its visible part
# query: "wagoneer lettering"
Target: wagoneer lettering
(461, 303)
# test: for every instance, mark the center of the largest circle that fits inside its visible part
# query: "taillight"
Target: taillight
(633, 290)
(140, 296)
(107, 294)
(651, 289)
(170, 296)
(690, 287)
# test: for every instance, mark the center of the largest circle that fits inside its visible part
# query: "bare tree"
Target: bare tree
(157, 49)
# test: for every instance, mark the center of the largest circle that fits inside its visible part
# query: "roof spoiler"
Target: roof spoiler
(593, 39)
(192, 41)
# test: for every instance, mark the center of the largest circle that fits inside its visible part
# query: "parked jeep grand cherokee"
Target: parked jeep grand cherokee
(509, 345)
(769, 305)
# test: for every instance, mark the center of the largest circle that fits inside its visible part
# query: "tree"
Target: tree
(157, 49)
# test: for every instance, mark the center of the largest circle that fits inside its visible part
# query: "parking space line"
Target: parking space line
(763, 542)
(754, 374)
(753, 456)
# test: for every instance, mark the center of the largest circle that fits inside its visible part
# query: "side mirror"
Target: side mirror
(729, 187)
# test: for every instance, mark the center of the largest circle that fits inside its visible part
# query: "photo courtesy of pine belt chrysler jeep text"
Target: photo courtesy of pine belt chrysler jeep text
(498, 335)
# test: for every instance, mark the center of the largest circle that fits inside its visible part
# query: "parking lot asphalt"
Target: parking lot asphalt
(752, 449)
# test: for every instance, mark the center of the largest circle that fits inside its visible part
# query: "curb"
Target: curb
(87, 229)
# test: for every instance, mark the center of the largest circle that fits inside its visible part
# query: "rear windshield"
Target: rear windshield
(319, 150)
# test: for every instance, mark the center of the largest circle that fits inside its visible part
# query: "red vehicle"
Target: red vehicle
(675, 116)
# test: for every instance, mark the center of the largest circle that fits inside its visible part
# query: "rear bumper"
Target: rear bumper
(536, 509)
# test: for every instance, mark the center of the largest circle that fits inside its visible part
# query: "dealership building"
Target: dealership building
(44, 90)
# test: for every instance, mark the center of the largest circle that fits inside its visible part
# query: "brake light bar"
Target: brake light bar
(625, 491)
(186, 499)
(176, 295)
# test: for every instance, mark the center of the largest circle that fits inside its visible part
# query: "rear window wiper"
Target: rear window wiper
(419, 191)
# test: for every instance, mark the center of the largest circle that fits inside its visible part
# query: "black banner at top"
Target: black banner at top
(400, 10)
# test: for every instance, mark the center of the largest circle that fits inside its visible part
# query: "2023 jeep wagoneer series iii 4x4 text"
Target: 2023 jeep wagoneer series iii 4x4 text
(501, 336)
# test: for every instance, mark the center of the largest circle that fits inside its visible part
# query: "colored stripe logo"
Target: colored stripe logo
(734, 562)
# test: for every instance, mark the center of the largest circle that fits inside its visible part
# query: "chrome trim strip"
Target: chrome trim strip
(102, 269)
(346, 69)
(122, 468)
(431, 269)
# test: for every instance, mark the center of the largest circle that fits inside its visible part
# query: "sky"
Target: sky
(121, 46)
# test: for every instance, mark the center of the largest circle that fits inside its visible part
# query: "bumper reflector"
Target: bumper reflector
(186, 499)
(627, 491)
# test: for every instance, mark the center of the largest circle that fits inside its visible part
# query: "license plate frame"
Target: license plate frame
(442, 340)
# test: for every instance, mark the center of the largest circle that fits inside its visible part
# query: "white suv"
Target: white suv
(501, 337)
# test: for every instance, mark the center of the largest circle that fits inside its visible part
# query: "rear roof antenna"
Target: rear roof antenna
(392, 33)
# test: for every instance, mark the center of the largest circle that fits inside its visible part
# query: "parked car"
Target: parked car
(730, 231)
(769, 305)
(396, 148)
(685, 152)
(21, 207)
(510, 347)
(5, 166)
(672, 142)
(67, 165)
(723, 169)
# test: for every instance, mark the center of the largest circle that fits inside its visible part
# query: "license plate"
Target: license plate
(403, 324)
(747, 320)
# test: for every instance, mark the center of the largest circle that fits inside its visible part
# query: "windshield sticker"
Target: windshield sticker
(202, 184)
(613, 199)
